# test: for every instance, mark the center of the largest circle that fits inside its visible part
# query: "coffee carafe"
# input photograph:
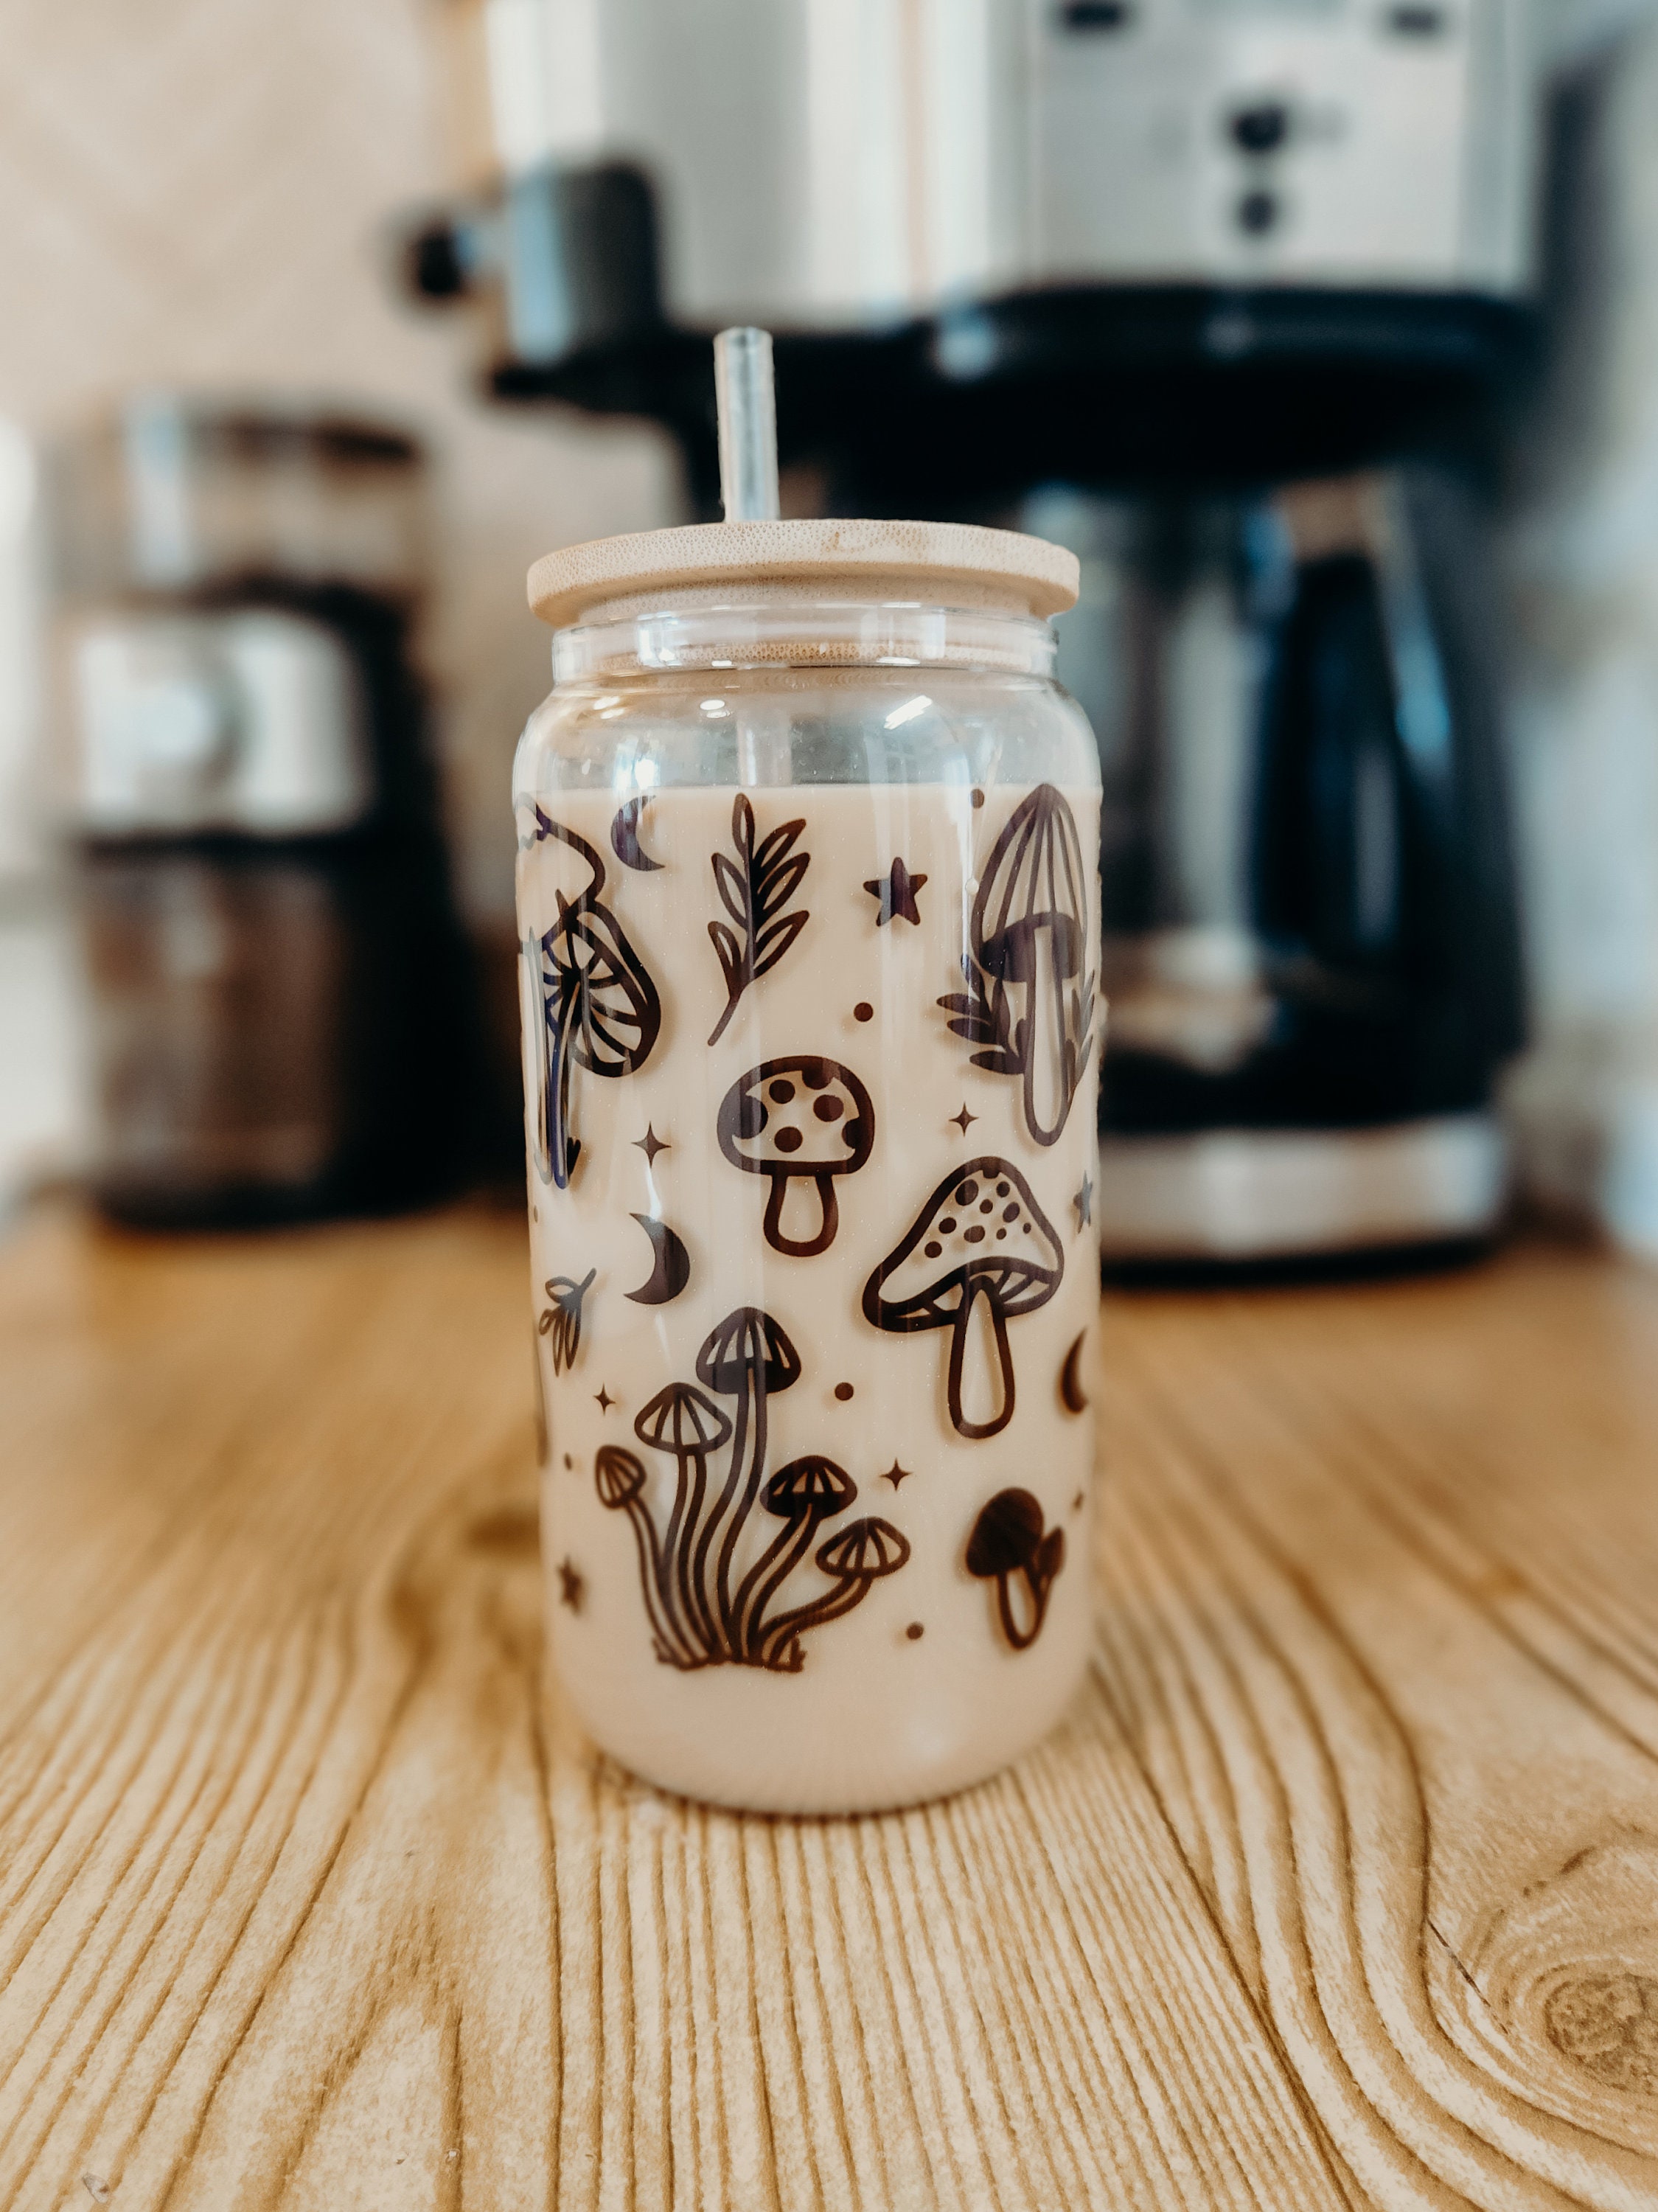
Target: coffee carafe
(1310, 947)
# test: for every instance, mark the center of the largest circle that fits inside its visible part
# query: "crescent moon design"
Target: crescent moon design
(624, 838)
(673, 1268)
(1071, 1388)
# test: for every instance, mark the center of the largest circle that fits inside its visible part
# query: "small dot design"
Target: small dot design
(915, 1632)
(843, 1391)
(978, 1213)
(863, 1011)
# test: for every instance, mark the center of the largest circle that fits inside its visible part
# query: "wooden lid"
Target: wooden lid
(937, 562)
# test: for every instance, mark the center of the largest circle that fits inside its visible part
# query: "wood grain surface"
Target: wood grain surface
(1338, 1888)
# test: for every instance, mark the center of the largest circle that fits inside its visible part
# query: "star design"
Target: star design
(894, 892)
(964, 1121)
(650, 1143)
(896, 1474)
(603, 1399)
(1084, 1202)
(572, 1585)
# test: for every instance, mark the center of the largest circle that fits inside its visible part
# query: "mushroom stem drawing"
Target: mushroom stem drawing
(821, 1229)
(621, 1480)
(978, 1289)
(747, 1357)
(1007, 1542)
(805, 1494)
(695, 1620)
(980, 1238)
(1029, 1002)
(859, 1557)
(681, 1420)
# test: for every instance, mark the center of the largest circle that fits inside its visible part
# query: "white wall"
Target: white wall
(202, 190)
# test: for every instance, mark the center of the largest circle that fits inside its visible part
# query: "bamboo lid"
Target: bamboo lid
(944, 564)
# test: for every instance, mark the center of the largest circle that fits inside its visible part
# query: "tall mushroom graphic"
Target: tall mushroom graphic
(1029, 1002)
(588, 999)
(980, 1239)
(682, 1420)
(804, 1495)
(859, 1556)
(747, 1357)
(801, 1121)
(620, 1478)
(1007, 1540)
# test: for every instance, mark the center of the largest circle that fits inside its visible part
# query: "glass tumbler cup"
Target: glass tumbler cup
(808, 907)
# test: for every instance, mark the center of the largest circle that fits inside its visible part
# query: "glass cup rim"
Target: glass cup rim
(802, 632)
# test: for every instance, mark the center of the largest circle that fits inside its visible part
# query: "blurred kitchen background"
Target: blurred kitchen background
(1324, 330)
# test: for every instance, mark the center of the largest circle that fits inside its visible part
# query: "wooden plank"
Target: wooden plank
(1339, 1886)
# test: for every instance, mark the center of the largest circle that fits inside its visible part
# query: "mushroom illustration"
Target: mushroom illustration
(1007, 1540)
(981, 1236)
(1029, 1001)
(859, 1556)
(804, 1494)
(588, 999)
(619, 1477)
(681, 1419)
(747, 1357)
(695, 1620)
(806, 1120)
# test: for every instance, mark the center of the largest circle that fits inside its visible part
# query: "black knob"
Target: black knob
(1095, 15)
(1257, 213)
(1415, 21)
(436, 271)
(1262, 127)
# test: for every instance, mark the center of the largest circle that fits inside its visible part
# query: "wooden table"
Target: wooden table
(1339, 1887)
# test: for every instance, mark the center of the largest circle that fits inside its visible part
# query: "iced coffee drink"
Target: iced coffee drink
(809, 963)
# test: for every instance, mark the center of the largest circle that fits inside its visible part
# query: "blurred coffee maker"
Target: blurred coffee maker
(1226, 293)
(276, 979)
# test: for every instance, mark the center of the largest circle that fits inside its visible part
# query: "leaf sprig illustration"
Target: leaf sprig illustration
(753, 888)
(981, 1015)
(561, 1322)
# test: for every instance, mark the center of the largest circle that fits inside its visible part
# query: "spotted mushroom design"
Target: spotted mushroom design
(1028, 1006)
(709, 1586)
(979, 1247)
(801, 1122)
(1008, 1544)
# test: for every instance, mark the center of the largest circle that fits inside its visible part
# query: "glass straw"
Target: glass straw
(747, 403)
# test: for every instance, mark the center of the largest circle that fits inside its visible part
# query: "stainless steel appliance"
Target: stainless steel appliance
(277, 981)
(1310, 954)
(1219, 271)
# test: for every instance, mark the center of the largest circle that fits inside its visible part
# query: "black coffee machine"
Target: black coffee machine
(1231, 305)
(1311, 950)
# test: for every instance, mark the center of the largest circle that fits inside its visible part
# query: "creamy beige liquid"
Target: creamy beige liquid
(707, 1648)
